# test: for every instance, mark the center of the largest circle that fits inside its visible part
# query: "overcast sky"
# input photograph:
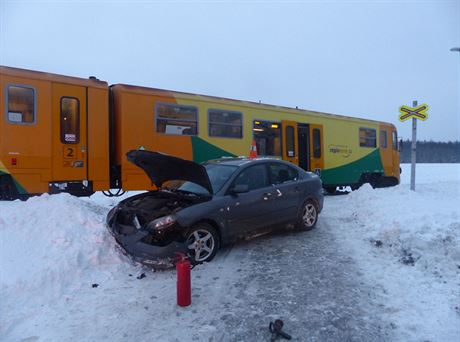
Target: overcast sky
(356, 58)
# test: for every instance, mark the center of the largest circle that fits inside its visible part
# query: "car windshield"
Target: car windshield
(218, 174)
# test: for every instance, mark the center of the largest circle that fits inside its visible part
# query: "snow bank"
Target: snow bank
(408, 245)
(53, 245)
(420, 229)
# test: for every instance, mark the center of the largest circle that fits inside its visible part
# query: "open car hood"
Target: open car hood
(162, 167)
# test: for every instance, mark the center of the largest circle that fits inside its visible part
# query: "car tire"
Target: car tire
(308, 215)
(202, 243)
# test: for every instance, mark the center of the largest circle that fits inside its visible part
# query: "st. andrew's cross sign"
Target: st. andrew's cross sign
(419, 112)
(414, 112)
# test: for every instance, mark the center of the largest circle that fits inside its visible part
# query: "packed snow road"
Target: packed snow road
(305, 278)
(371, 271)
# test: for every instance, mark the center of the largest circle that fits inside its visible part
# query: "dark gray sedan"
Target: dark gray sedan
(200, 207)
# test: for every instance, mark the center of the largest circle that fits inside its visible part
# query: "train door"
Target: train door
(69, 138)
(303, 142)
(386, 153)
(290, 144)
(316, 149)
(396, 153)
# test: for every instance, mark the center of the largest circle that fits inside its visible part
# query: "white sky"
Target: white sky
(357, 58)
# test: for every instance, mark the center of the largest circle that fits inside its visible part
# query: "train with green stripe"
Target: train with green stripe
(68, 134)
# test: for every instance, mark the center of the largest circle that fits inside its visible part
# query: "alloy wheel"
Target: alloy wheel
(201, 245)
(309, 215)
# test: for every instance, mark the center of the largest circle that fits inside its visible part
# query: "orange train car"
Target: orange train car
(67, 134)
(54, 134)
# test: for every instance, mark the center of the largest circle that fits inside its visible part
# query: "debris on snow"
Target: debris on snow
(377, 243)
(407, 258)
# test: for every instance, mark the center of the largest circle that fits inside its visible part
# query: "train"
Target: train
(67, 134)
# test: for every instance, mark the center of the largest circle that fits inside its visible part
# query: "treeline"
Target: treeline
(432, 152)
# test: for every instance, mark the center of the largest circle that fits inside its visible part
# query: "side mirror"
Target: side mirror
(239, 189)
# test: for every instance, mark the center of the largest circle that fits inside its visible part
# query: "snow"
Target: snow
(408, 244)
(382, 264)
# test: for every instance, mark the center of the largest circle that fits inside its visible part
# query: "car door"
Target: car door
(287, 191)
(247, 212)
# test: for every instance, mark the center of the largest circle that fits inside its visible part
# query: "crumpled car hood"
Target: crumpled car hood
(161, 167)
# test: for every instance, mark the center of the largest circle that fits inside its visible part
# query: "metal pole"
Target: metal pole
(413, 150)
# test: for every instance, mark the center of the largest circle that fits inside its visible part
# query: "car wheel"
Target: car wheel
(308, 215)
(202, 243)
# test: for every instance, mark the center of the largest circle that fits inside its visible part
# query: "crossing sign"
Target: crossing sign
(414, 112)
(418, 112)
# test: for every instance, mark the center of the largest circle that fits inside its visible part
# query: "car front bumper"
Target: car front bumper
(147, 254)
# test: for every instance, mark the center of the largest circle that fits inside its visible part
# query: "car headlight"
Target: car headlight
(161, 223)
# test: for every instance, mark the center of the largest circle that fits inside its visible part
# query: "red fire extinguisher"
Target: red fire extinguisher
(184, 289)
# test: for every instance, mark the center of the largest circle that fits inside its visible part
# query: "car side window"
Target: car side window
(281, 173)
(255, 177)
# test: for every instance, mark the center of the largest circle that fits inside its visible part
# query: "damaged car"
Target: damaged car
(198, 208)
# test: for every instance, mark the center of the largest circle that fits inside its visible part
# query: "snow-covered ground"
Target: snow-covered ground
(408, 245)
(382, 264)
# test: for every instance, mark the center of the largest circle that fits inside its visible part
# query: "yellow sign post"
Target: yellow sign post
(414, 112)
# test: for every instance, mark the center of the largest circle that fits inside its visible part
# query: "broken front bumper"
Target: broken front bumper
(132, 244)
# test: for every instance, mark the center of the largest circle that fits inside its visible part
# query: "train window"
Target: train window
(290, 144)
(21, 105)
(395, 141)
(70, 120)
(224, 123)
(268, 137)
(316, 143)
(383, 139)
(176, 119)
(367, 137)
